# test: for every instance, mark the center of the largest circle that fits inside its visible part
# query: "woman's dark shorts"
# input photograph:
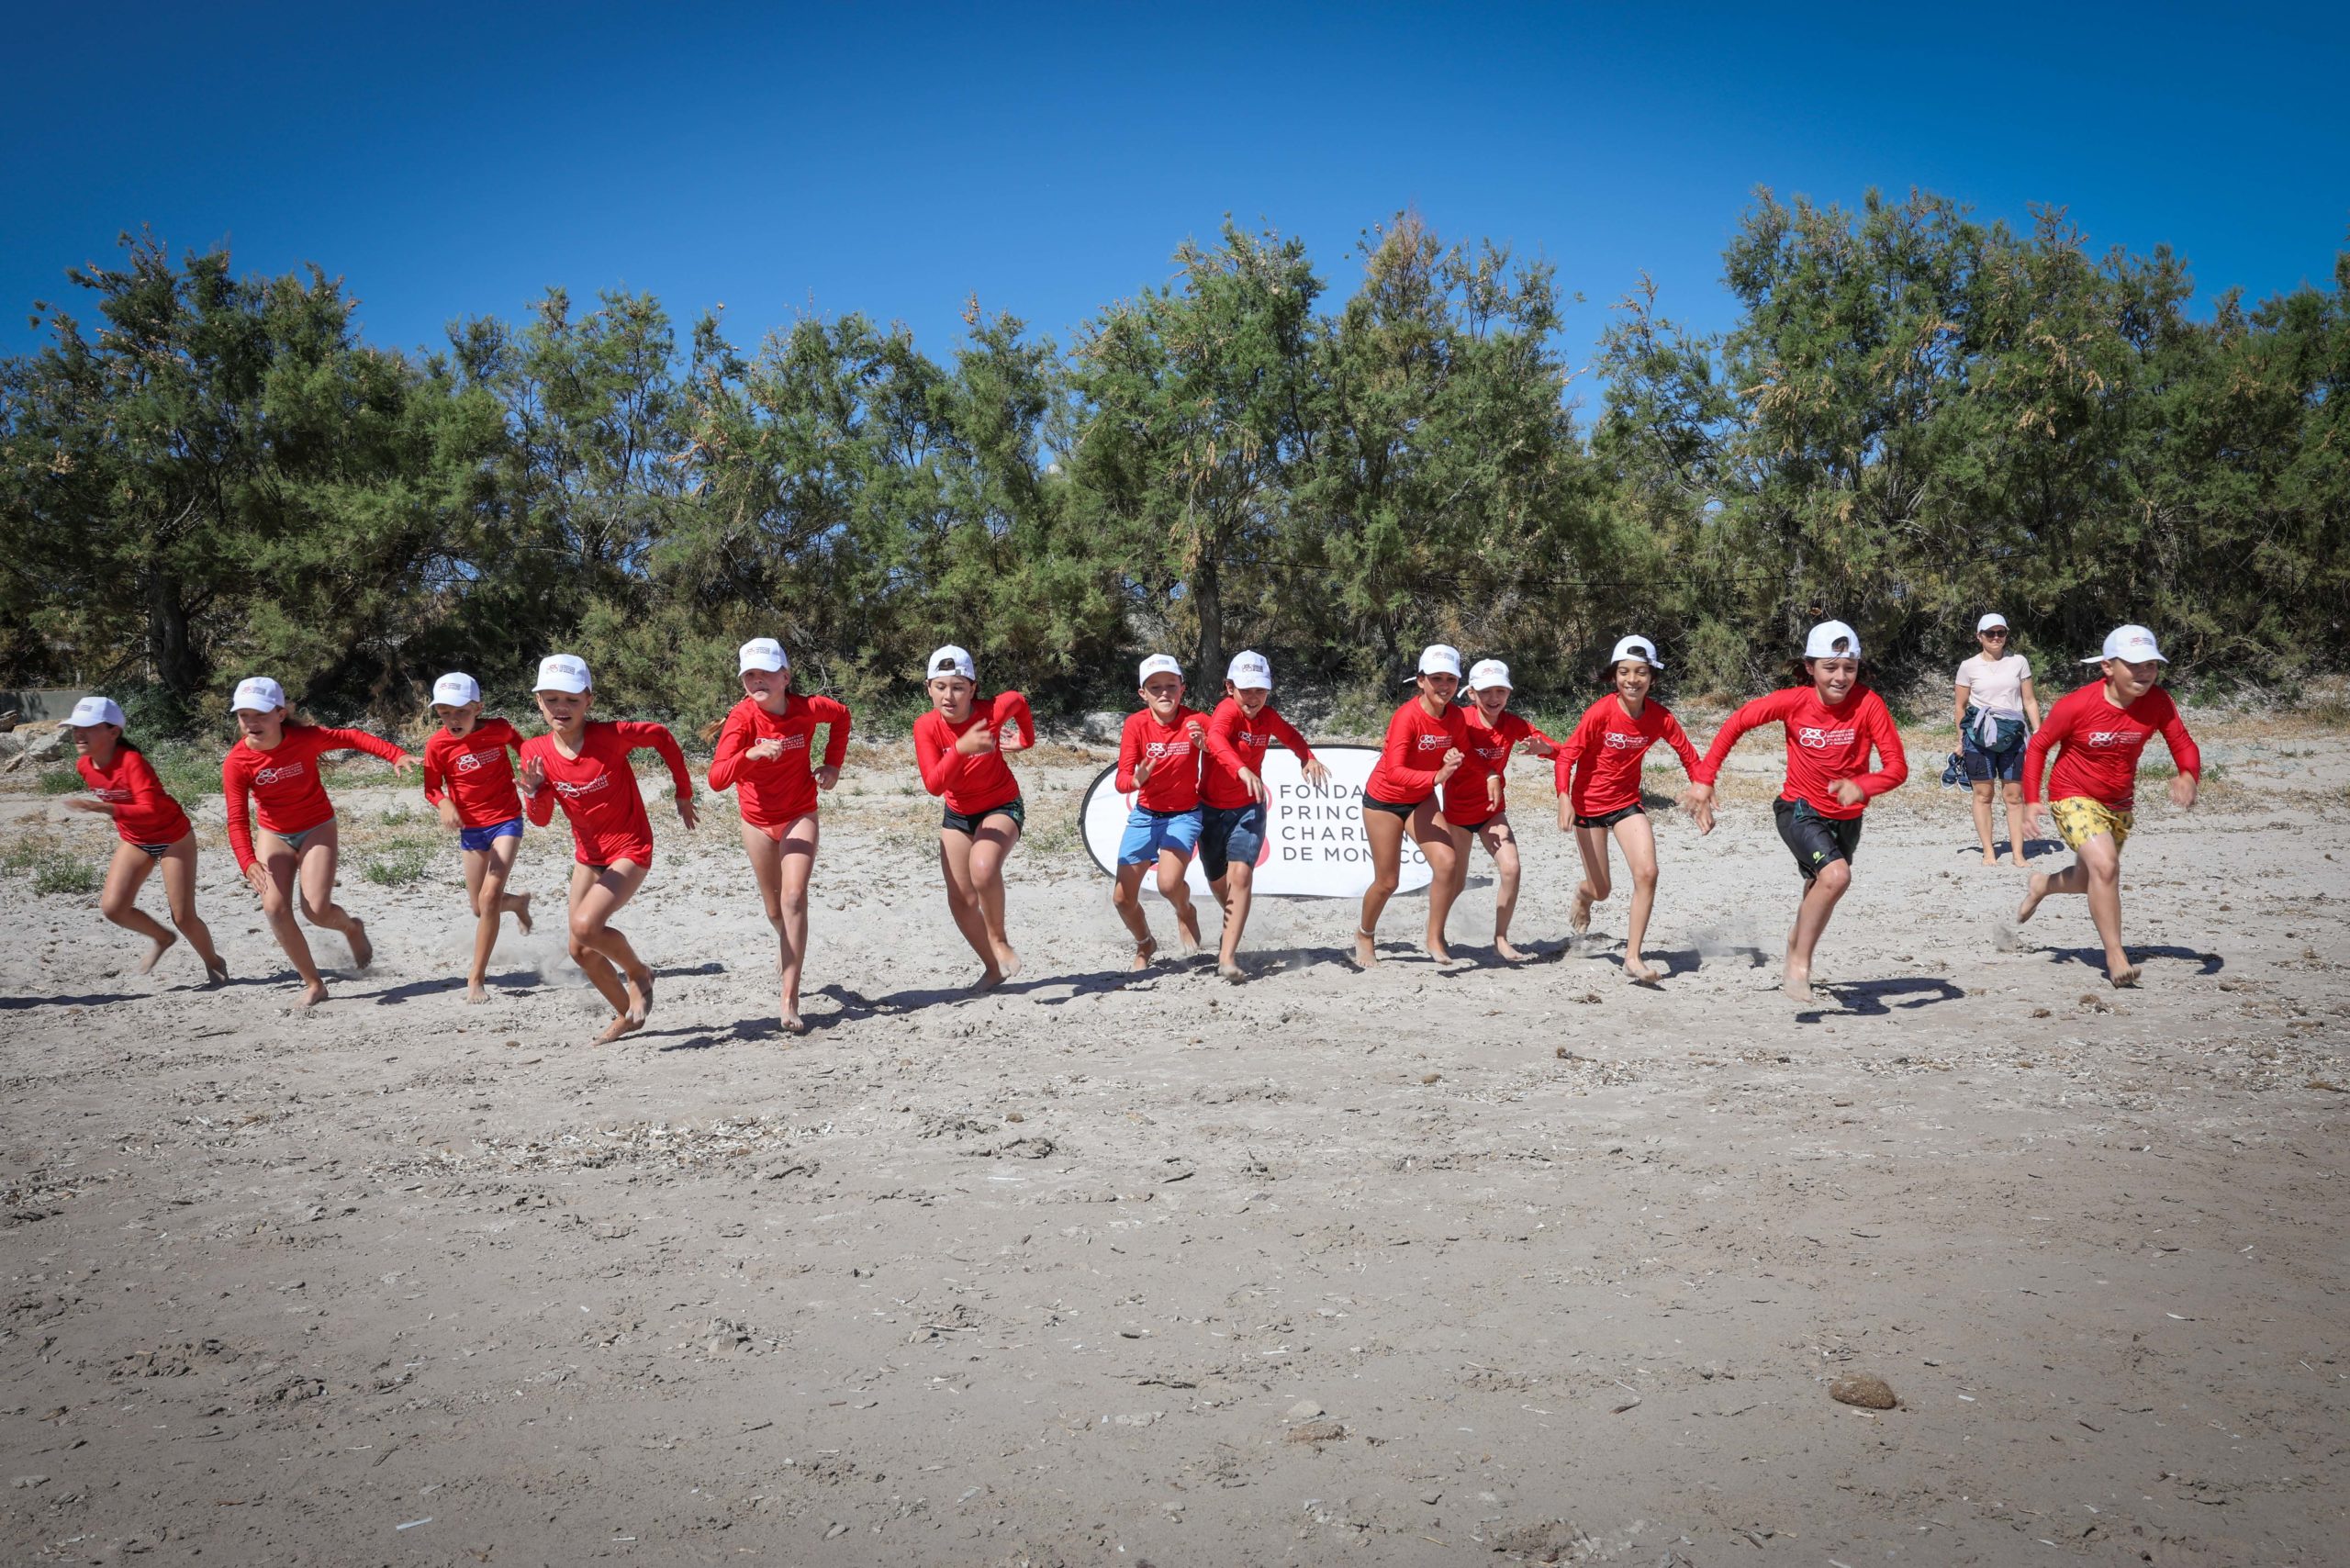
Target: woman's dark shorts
(1609, 818)
(1371, 802)
(2004, 763)
(1815, 840)
(1229, 834)
(968, 824)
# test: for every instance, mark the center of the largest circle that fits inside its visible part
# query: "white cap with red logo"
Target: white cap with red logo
(2130, 645)
(1161, 664)
(1440, 658)
(92, 711)
(563, 672)
(455, 689)
(258, 694)
(1249, 672)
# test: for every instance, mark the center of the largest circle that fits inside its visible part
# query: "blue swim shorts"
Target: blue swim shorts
(1148, 832)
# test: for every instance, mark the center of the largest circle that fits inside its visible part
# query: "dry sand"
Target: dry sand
(1400, 1268)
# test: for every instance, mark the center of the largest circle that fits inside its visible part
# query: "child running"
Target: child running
(1831, 725)
(274, 765)
(1474, 805)
(959, 746)
(154, 832)
(469, 780)
(2097, 732)
(763, 750)
(1599, 775)
(1159, 765)
(1232, 784)
(583, 765)
(1426, 743)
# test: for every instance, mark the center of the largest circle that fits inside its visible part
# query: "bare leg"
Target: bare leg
(993, 845)
(1639, 841)
(126, 874)
(277, 859)
(1125, 897)
(1176, 889)
(795, 864)
(1595, 887)
(1819, 898)
(2013, 791)
(1385, 831)
(319, 853)
(1983, 788)
(1234, 892)
(486, 874)
(179, 891)
(1444, 886)
(1447, 867)
(1501, 842)
(602, 953)
(2095, 870)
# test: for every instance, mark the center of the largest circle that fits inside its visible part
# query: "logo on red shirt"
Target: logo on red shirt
(1431, 742)
(474, 761)
(272, 774)
(1813, 738)
(571, 791)
(2107, 737)
(1618, 740)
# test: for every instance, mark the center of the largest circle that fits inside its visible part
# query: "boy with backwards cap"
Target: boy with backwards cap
(2096, 732)
(1158, 764)
(469, 780)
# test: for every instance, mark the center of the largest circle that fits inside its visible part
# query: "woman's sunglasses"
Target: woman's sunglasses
(1993, 636)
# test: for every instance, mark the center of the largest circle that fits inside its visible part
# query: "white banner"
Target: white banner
(1313, 842)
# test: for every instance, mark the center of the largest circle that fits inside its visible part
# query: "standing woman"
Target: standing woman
(1995, 711)
(1476, 809)
(763, 750)
(584, 765)
(275, 765)
(959, 746)
(1425, 744)
(1600, 792)
(153, 829)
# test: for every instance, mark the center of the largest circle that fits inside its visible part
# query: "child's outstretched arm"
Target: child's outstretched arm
(639, 734)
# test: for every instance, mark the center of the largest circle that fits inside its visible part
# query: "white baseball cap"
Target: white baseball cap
(1161, 664)
(950, 660)
(761, 653)
(1487, 673)
(563, 672)
(1821, 643)
(92, 711)
(2130, 645)
(1994, 619)
(258, 694)
(1250, 672)
(1437, 659)
(1639, 648)
(455, 689)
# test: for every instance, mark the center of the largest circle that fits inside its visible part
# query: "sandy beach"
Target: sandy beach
(1415, 1266)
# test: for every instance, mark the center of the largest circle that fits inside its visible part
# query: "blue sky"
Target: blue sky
(449, 160)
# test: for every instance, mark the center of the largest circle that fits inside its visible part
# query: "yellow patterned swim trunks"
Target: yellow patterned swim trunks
(2080, 819)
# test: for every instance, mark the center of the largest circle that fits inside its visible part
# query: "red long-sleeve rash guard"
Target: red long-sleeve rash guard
(476, 772)
(597, 789)
(778, 790)
(972, 786)
(2099, 745)
(283, 782)
(143, 812)
(1235, 741)
(1174, 782)
(1598, 771)
(1824, 744)
(1485, 756)
(1413, 753)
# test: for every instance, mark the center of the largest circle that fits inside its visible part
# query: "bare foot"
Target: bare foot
(476, 993)
(1439, 952)
(792, 1022)
(363, 952)
(1639, 973)
(522, 911)
(216, 970)
(1145, 951)
(1229, 971)
(639, 997)
(2021, 863)
(1509, 954)
(1007, 962)
(2126, 977)
(623, 1025)
(163, 945)
(1366, 949)
(1579, 918)
(312, 994)
(2038, 891)
(990, 978)
(1796, 983)
(1187, 929)
(1989, 858)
